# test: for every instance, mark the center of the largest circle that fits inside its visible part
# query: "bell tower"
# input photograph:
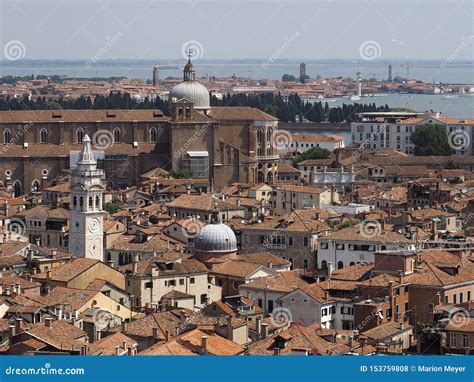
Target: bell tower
(86, 232)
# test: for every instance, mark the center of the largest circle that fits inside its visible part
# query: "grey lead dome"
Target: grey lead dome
(215, 238)
(192, 91)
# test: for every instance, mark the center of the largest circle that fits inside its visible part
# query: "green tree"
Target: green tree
(430, 139)
(288, 77)
(314, 153)
(111, 208)
(181, 174)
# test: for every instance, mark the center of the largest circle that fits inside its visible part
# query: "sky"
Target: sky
(237, 29)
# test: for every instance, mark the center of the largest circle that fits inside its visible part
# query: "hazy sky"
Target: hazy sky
(294, 29)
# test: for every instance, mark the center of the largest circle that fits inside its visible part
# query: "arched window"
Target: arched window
(75, 201)
(260, 177)
(153, 135)
(269, 141)
(17, 188)
(305, 264)
(117, 135)
(43, 135)
(324, 264)
(340, 265)
(91, 202)
(260, 142)
(351, 263)
(7, 136)
(79, 135)
(81, 201)
(270, 177)
(35, 186)
(97, 202)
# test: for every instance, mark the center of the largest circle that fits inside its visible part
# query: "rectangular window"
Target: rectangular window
(461, 298)
(290, 240)
(191, 280)
(340, 246)
(305, 241)
(465, 341)
(260, 303)
(181, 281)
(324, 312)
(452, 340)
(149, 284)
(324, 246)
(454, 298)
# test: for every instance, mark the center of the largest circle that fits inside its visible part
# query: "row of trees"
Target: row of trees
(111, 101)
(294, 109)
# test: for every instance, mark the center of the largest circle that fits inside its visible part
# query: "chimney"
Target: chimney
(124, 343)
(330, 269)
(134, 264)
(351, 342)
(154, 332)
(204, 344)
(60, 314)
(117, 350)
(264, 330)
(438, 299)
(230, 329)
(1, 289)
(110, 263)
(276, 351)
(259, 326)
(270, 265)
(400, 276)
(167, 335)
(124, 326)
(98, 335)
(12, 332)
(434, 229)
(54, 253)
(18, 322)
(18, 288)
(48, 322)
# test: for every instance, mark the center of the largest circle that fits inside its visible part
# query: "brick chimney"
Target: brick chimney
(204, 344)
(48, 321)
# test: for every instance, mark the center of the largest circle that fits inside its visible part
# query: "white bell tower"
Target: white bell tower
(86, 232)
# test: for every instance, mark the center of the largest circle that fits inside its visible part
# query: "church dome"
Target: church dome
(215, 238)
(193, 91)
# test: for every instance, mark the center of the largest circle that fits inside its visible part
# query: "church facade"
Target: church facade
(223, 144)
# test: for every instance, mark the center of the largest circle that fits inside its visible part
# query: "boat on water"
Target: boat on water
(355, 98)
